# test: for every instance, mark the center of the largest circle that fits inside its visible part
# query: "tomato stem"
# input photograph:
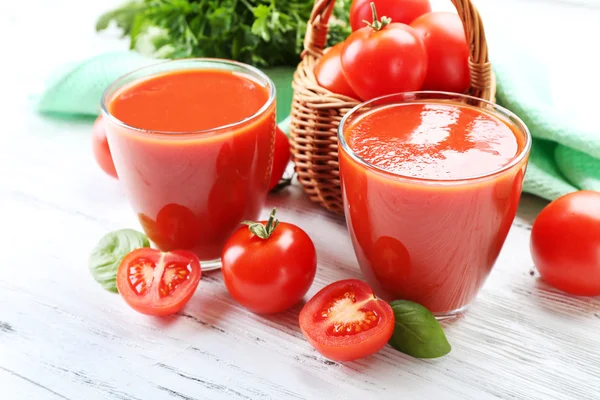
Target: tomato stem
(263, 231)
(377, 24)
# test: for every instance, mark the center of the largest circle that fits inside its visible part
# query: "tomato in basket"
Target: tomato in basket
(403, 11)
(447, 51)
(384, 58)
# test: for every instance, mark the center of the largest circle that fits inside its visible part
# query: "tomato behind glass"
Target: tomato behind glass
(345, 321)
(384, 58)
(565, 243)
(447, 51)
(100, 148)
(403, 11)
(157, 283)
(281, 157)
(329, 75)
(269, 266)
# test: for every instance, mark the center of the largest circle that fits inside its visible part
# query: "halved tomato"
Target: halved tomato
(157, 283)
(344, 321)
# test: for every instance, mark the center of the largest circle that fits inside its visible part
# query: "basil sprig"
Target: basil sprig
(108, 253)
(417, 332)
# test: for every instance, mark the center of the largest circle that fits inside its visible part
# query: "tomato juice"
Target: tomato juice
(192, 142)
(431, 185)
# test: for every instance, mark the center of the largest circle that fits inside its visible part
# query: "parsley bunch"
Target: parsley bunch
(264, 33)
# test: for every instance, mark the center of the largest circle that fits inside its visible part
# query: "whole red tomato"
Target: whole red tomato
(384, 58)
(328, 72)
(100, 148)
(344, 321)
(447, 51)
(403, 11)
(565, 243)
(281, 157)
(156, 283)
(268, 267)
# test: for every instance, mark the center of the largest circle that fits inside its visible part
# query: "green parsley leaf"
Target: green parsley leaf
(264, 33)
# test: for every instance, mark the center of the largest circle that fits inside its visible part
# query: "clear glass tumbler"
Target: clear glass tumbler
(432, 241)
(191, 190)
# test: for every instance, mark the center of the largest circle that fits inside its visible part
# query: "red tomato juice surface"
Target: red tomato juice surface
(429, 216)
(191, 179)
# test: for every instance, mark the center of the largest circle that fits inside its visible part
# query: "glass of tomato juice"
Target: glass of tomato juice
(192, 141)
(431, 182)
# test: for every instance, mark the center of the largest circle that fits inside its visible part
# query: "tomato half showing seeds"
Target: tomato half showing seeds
(447, 51)
(344, 321)
(329, 75)
(158, 283)
(565, 243)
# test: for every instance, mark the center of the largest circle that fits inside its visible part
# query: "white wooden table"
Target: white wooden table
(63, 337)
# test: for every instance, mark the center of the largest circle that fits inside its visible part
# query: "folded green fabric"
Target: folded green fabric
(549, 78)
(565, 155)
(77, 88)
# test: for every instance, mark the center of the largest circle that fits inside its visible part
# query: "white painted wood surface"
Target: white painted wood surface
(63, 337)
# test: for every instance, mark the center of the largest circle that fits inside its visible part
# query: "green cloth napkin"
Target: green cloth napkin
(548, 76)
(76, 89)
(565, 155)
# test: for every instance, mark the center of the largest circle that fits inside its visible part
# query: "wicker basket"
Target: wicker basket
(317, 112)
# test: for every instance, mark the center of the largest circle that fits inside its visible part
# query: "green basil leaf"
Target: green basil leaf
(108, 253)
(417, 332)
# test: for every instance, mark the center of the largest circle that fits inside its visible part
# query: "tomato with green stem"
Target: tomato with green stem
(268, 266)
(447, 51)
(384, 58)
(100, 148)
(158, 283)
(403, 11)
(344, 321)
(565, 243)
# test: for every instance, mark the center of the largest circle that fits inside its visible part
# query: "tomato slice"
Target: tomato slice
(158, 283)
(344, 321)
